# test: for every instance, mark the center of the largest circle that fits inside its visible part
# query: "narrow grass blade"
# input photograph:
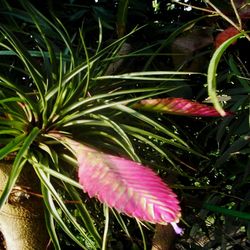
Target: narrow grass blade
(49, 202)
(50, 225)
(18, 164)
(212, 72)
(85, 215)
(48, 187)
(148, 120)
(106, 227)
(122, 12)
(226, 211)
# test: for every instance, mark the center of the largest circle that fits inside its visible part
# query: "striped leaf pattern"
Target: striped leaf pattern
(125, 185)
(177, 106)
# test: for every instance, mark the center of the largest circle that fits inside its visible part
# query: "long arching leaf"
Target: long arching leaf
(212, 72)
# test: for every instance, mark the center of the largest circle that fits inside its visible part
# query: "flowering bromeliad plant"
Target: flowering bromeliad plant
(114, 180)
(126, 185)
(49, 97)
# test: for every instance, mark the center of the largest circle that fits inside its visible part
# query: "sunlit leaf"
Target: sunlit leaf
(125, 185)
(177, 106)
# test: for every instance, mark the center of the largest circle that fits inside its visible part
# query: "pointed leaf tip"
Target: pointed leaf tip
(127, 186)
(179, 106)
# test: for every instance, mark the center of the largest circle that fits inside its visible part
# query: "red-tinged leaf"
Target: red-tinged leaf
(125, 185)
(177, 106)
(225, 35)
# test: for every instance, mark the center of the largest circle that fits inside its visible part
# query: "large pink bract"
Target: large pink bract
(125, 185)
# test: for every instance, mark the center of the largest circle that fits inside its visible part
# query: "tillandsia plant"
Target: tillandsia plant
(60, 114)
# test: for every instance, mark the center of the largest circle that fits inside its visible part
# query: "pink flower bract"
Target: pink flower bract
(178, 106)
(125, 185)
